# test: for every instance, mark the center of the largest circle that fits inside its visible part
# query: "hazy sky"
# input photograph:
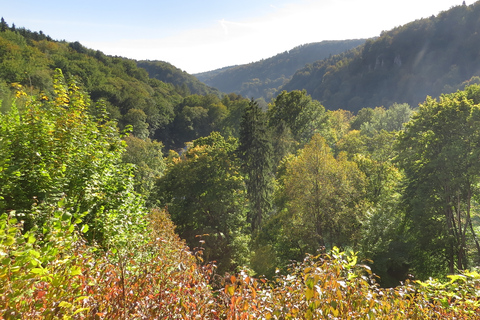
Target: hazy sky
(203, 35)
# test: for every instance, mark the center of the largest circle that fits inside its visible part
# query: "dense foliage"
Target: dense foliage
(207, 171)
(335, 286)
(75, 239)
(184, 82)
(53, 148)
(255, 151)
(439, 152)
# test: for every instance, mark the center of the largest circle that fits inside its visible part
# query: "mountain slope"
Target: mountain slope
(425, 57)
(168, 73)
(262, 78)
(131, 96)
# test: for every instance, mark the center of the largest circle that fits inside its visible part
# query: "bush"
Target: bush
(54, 274)
(334, 286)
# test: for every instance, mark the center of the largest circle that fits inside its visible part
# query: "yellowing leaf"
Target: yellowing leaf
(65, 304)
(309, 293)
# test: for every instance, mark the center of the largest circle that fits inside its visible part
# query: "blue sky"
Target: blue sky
(198, 36)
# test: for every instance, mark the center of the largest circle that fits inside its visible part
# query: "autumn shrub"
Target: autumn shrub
(54, 274)
(335, 286)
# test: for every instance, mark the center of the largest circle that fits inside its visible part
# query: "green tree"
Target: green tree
(363, 115)
(391, 119)
(147, 157)
(382, 231)
(439, 151)
(255, 151)
(335, 125)
(54, 149)
(137, 119)
(3, 25)
(196, 116)
(322, 198)
(297, 110)
(236, 106)
(205, 195)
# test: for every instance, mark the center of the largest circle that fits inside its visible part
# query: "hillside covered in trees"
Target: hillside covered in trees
(429, 56)
(168, 73)
(122, 196)
(262, 79)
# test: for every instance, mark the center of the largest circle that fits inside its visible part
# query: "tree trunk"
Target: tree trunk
(451, 242)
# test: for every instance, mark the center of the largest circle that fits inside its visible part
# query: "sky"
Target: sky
(204, 35)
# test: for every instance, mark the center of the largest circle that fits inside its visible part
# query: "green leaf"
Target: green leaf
(66, 216)
(9, 241)
(34, 253)
(39, 271)
(444, 302)
(84, 228)
(455, 277)
(309, 293)
(12, 221)
(31, 238)
(81, 298)
(310, 283)
(61, 202)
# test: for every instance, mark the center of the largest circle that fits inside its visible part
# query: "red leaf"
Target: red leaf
(40, 294)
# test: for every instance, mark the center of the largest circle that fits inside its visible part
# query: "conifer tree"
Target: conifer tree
(255, 150)
(3, 25)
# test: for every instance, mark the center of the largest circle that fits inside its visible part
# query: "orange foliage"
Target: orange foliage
(163, 282)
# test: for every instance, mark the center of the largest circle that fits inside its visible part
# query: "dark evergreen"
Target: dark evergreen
(3, 25)
(255, 150)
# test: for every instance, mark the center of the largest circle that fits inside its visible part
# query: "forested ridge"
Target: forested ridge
(168, 73)
(122, 196)
(429, 56)
(262, 79)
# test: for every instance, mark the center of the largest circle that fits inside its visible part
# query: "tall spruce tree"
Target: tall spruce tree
(3, 25)
(255, 150)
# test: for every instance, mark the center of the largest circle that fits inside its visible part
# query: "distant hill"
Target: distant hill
(262, 79)
(168, 73)
(430, 56)
(129, 94)
(203, 76)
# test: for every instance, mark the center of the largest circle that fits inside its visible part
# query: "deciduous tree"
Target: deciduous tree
(205, 195)
(54, 149)
(439, 151)
(323, 197)
(298, 112)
